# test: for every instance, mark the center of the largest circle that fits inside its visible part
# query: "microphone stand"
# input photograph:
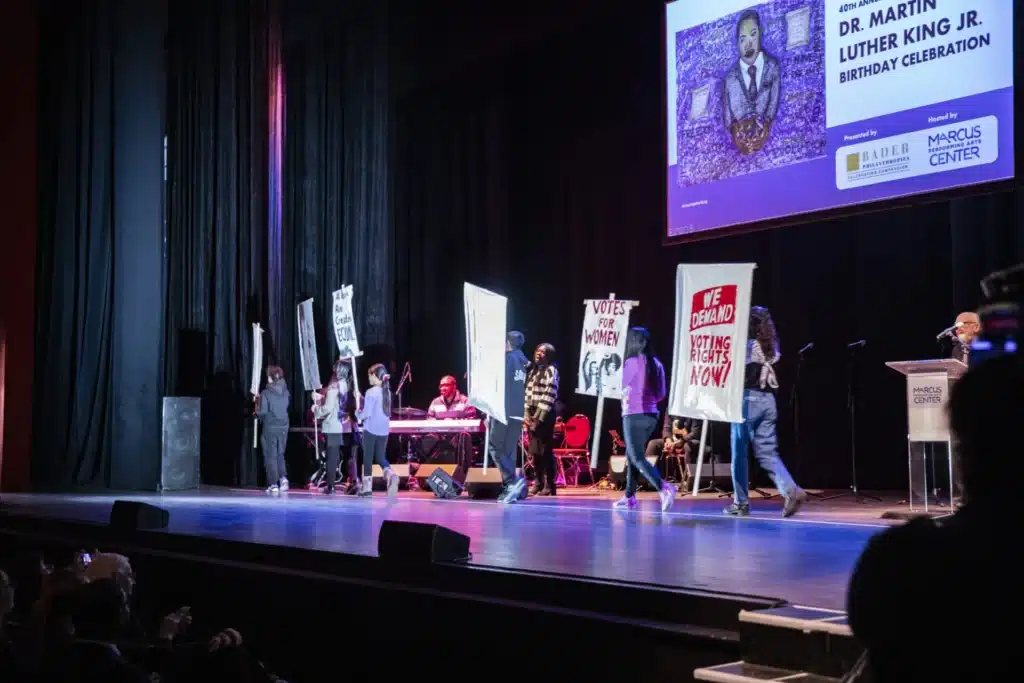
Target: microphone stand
(401, 383)
(851, 404)
(794, 403)
(400, 414)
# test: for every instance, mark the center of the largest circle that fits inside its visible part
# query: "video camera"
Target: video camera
(1000, 314)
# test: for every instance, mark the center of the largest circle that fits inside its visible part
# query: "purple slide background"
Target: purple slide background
(810, 186)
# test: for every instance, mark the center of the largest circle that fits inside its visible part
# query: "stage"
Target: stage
(804, 560)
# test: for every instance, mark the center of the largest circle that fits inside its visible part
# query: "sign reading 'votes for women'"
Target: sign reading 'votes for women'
(603, 347)
(712, 310)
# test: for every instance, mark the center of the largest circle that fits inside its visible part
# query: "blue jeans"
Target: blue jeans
(503, 448)
(760, 415)
(637, 430)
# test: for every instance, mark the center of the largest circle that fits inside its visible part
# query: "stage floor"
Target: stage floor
(806, 559)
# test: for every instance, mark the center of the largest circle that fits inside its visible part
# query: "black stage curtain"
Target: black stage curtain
(987, 235)
(217, 132)
(100, 287)
(539, 174)
(337, 197)
(452, 204)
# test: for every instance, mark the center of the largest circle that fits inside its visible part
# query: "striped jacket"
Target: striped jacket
(542, 390)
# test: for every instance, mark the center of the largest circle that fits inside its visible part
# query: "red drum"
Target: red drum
(577, 432)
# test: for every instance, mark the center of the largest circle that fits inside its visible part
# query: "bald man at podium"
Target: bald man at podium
(965, 330)
(963, 333)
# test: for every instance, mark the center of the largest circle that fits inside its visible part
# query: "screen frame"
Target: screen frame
(833, 213)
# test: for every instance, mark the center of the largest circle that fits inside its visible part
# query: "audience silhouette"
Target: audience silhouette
(937, 599)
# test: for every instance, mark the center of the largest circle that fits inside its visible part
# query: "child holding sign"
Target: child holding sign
(272, 411)
(375, 415)
(336, 408)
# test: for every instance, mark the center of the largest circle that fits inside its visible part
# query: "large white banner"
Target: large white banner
(712, 319)
(345, 324)
(307, 346)
(603, 347)
(485, 350)
(257, 360)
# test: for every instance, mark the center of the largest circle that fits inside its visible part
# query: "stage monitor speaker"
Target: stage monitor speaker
(427, 468)
(443, 485)
(617, 469)
(617, 463)
(179, 448)
(130, 515)
(401, 469)
(484, 486)
(418, 543)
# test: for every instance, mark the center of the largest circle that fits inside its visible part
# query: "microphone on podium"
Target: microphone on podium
(808, 347)
(949, 331)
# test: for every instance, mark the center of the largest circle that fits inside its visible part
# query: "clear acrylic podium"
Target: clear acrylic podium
(929, 448)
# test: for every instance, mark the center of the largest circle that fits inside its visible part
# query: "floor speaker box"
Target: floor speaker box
(617, 463)
(417, 543)
(719, 472)
(130, 515)
(484, 486)
(426, 469)
(179, 447)
(401, 469)
(443, 485)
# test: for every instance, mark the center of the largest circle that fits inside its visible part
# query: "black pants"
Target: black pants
(542, 444)
(273, 442)
(340, 446)
(374, 450)
(503, 447)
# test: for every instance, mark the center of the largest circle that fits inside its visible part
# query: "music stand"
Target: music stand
(794, 403)
(851, 405)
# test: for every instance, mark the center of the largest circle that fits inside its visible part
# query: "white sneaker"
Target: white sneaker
(273, 490)
(625, 503)
(392, 481)
(514, 493)
(283, 484)
(367, 487)
(668, 495)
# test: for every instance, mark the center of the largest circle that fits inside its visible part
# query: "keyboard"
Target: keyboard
(474, 425)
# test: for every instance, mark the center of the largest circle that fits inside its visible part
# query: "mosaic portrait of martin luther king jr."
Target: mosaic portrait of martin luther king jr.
(751, 88)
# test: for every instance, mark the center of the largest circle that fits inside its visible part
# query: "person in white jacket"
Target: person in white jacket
(336, 407)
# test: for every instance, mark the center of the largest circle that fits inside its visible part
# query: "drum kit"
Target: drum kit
(574, 433)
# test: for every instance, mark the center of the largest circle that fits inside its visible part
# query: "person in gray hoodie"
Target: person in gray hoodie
(272, 411)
